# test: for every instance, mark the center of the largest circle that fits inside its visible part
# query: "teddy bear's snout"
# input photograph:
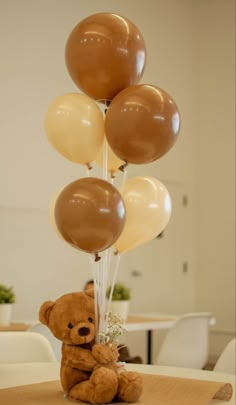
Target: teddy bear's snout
(83, 331)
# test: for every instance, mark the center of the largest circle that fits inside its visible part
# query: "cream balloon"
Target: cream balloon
(52, 213)
(113, 162)
(148, 210)
(74, 126)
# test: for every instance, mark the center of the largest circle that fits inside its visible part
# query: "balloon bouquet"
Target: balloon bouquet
(105, 57)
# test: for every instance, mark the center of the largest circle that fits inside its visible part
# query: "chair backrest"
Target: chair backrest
(45, 331)
(23, 347)
(226, 361)
(186, 344)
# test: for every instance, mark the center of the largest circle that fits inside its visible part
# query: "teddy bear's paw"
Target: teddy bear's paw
(130, 386)
(105, 354)
(105, 385)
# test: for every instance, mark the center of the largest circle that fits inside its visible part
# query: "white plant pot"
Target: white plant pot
(120, 308)
(5, 314)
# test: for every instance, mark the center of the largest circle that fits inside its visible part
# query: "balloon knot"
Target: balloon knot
(123, 167)
(97, 257)
(104, 101)
(89, 166)
(107, 103)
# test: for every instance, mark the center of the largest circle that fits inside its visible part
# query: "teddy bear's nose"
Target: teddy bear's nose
(83, 331)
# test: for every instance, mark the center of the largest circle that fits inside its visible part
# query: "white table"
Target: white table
(31, 373)
(152, 321)
(149, 323)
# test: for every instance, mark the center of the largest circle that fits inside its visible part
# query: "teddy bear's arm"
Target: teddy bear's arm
(105, 353)
(77, 357)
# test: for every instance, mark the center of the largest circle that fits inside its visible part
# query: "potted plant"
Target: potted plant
(7, 298)
(120, 300)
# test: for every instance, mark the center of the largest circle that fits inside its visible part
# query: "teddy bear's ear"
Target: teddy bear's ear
(90, 292)
(44, 311)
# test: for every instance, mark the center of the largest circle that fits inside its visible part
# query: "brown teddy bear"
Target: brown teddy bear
(88, 370)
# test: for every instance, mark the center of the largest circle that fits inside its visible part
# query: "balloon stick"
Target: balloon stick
(88, 171)
(116, 268)
(125, 172)
(104, 167)
(94, 266)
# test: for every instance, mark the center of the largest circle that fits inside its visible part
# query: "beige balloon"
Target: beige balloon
(113, 162)
(52, 213)
(74, 126)
(148, 210)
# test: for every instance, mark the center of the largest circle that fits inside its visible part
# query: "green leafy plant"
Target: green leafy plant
(120, 293)
(7, 295)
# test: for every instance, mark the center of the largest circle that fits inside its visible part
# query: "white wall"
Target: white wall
(214, 143)
(33, 73)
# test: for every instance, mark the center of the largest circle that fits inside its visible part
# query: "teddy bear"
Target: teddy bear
(89, 370)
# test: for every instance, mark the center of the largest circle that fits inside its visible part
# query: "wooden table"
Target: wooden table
(12, 375)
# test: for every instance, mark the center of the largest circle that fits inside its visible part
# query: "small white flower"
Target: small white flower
(114, 329)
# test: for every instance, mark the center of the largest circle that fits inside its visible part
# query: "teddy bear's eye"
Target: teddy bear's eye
(90, 320)
(70, 326)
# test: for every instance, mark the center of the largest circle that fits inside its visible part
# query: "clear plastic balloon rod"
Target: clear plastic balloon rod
(104, 279)
(114, 277)
(104, 168)
(100, 277)
(88, 172)
(125, 172)
(94, 266)
(100, 273)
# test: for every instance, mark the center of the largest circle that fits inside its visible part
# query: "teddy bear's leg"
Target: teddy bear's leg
(99, 389)
(130, 386)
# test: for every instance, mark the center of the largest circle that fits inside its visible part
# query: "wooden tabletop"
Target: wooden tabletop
(22, 374)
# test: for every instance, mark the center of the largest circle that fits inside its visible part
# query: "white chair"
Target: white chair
(186, 344)
(24, 347)
(226, 361)
(45, 331)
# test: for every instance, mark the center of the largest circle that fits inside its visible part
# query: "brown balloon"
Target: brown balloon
(105, 53)
(90, 214)
(142, 124)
